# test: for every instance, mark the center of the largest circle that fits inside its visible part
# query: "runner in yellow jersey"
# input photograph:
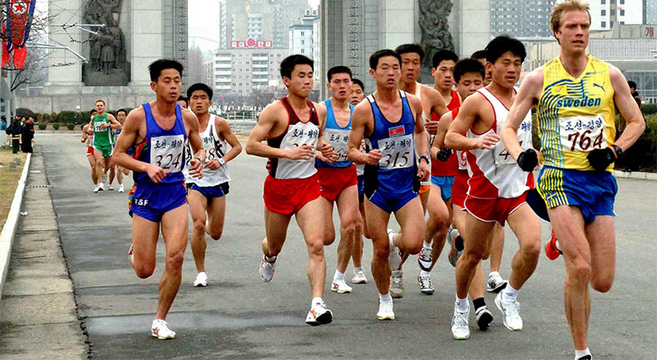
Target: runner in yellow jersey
(575, 96)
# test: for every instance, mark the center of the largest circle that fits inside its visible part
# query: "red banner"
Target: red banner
(16, 31)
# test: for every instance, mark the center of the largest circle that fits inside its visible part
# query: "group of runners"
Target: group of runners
(460, 152)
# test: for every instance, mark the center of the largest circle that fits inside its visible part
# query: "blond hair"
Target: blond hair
(569, 5)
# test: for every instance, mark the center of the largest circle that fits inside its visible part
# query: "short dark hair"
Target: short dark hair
(359, 83)
(93, 111)
(466, 66)
(201, 87)
(479, 54)
(631, 84)
(155, 69)
(340, 69)
(443, 55)
(502, 44)
(374, 58)
(411, 48)
(288, 64)
(183, 98)
(122, 110)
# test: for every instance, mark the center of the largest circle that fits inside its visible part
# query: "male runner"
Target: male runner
(292, 129)
(102, 124)
(391, 122)
(433, 106)
(208, 194)
(337, 176)
(497, 186)
(357, 95)
(121, 114)
(183, 101)
(88, 138)
(575, 95)
(155, 133)
(469, 77)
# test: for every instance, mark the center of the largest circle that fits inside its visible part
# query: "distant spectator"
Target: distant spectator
(635, 94)
(14, 131)
(27, 135)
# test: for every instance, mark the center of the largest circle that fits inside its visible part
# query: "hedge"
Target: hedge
(70, 126)
(55, 126)
(67, 117)
(42, 125)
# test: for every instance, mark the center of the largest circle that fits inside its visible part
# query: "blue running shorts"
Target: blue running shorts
(445, 184)
(152, 201)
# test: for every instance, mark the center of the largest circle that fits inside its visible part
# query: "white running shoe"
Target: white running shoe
(201, 280)
(160, 330)
(394, 258)
(121, 189)
(425, 259)
(319, 314)
(340, 286)
(96, 188)
(267, 269)
(495, 283)
(359, 277)
(101, 187)
(460, 328)
(385, 311)
(483, 317)
(426, 285)
(397, 284)
(110, 187)
(510, 312)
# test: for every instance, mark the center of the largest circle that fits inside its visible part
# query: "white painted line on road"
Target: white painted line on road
(9, 229)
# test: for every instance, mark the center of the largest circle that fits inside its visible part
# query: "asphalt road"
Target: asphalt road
(239, 316)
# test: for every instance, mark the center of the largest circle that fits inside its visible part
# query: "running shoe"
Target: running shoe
(201, 280)
(101, 187)
(121, 189)
(385, 311)
(340, 286)
(454, 253)
(110, 187)
(585, 357)
(319, 314)
(160, 330)
(483, 317)
(495, 283)
(131, 250)
(510, 312)
(267, 269)
(452, 233)
(426, 286)
(394, 257)
(460, 328)
(359, 277)
(397, 284)
(552, 247)
(424, 259)
(96, 188)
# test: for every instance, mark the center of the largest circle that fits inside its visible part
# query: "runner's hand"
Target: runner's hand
(156, 173)
(212, 164)
(432, 127)
(196, 168)
(487, 142)
(373, 157)
(423, 171)
(303, 152)
(443, 154)
(327, 150)
(528, 160)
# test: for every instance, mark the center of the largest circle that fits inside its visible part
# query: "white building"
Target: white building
(301, 39)
(605, 14)
(240, 70)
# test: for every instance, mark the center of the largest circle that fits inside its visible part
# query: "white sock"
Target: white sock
(338, 276)
(427, 245)
(462, 304)
(424, 273)
(580, 353)
(316, 301)
(358, 269)
(386, 297)
(270, 259)
(509, 294)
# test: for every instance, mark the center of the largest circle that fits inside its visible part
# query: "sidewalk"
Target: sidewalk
(37, 310)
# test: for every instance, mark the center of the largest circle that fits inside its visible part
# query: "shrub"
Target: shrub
(25, 112)
(70, 126)
(83, 118)
(55, 126)
(42, 125)
(648, 109)
(642, 156)
(67, 117)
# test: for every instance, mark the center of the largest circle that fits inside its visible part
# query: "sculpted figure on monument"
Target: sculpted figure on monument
(435, 31)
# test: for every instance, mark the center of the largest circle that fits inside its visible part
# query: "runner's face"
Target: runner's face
(443, 75)
(300, 82)
(356, 95)
(168, 85)
(573, 31)
(506, 69)
(182, 103)
(120, 116)
(488, 77)
(468, 84)
(100, 107)
(199, 102)
(340, 86)
(410, 67)
(387, 73)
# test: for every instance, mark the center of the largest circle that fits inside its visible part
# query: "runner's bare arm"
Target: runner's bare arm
(420, 138)
(468, 113)
(225, 132)
(628, 109)
(324, 148)
(273, 115)
(129, 136)
(360, 118)
(439, 106)
(114, 124)
(527, 97)
(191, 124)
(85, 136)
(439, 139)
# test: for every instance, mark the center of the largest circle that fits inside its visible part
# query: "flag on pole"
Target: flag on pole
(17, 31)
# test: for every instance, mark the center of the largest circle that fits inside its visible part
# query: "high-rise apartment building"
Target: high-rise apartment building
(607, 13)
(521, 18)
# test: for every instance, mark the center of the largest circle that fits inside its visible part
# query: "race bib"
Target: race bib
(338, 139)
(167, 152)
(583, 133)
(397, 152)
(98, 128)
(463, 159)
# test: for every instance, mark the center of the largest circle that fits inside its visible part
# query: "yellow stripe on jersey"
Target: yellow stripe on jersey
(550, 187)
(575, 116)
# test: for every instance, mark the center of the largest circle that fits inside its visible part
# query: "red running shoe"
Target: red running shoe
(552, 247)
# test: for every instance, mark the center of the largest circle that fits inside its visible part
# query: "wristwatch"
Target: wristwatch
(426, 158)
(222, 161)
(618, 150)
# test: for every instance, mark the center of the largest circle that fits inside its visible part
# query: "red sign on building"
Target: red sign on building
(251, 43)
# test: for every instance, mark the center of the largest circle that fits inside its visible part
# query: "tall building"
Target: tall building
(239, 71)
(650, 9)
(521, 18)
(605, 14)
(302, 35)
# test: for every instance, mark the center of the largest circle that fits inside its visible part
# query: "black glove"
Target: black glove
(527, 160)
(444, 154)
(600, 159)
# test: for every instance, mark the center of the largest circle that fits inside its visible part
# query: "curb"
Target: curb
(9, 229)
(635, 175)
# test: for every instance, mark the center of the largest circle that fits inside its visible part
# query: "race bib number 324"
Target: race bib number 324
(167, 151)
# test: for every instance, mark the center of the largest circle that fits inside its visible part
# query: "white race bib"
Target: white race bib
(338, 138)
(397, 152)
(463, 159)
(167, 152)
(583, 133)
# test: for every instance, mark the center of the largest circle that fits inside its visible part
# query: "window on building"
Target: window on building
(612, 12)
(621, 22)
(603, 12)
(622, 13)
(622, 2)
(303, 42)
(603, 24)
(302, 51)
(302, 33)
(603, 2)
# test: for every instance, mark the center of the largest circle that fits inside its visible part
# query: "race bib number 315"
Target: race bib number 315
(397, 152)
(583, 133)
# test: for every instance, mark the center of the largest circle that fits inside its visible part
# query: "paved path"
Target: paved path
(239, 316)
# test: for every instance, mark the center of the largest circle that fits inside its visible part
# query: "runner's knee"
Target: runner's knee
(531, 248)
(316, 247)
(602, 283)
(144, 271)
(215, 234)
(199, 225)
(175, 261)
(580, 273)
